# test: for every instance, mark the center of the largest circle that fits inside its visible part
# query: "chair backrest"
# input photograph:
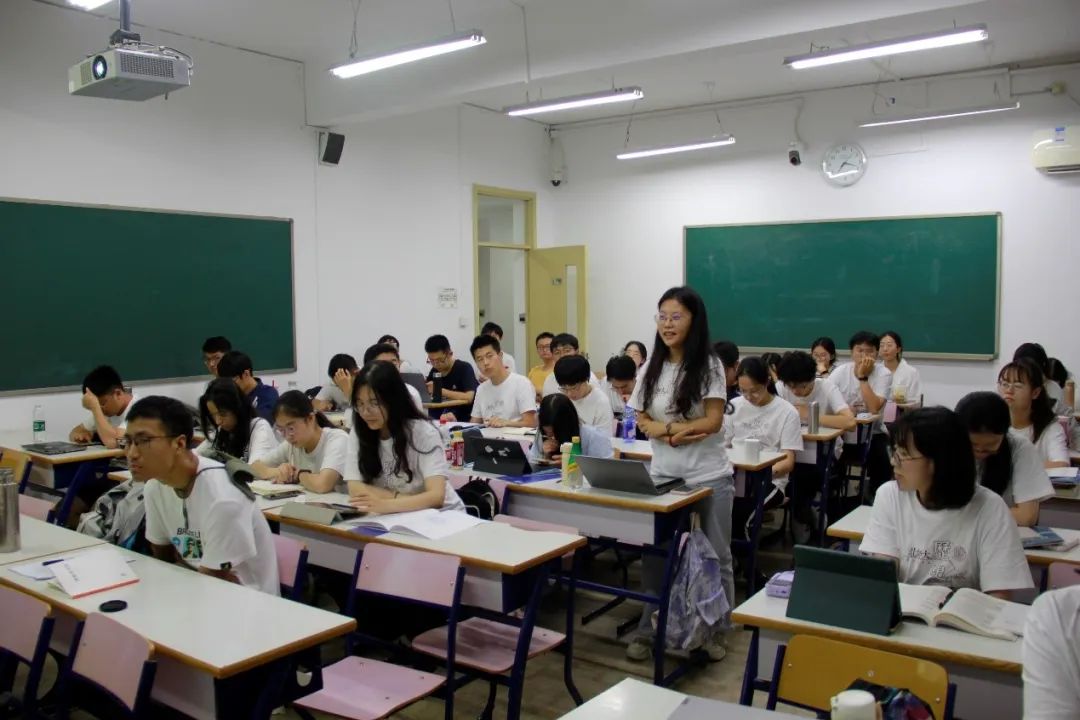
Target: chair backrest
(113, 657)
(35, 507)
(526, 524)
(20, 464)
(292, 564)
(814, 669)
(23, 619)
(411, 574)
(1062, 575)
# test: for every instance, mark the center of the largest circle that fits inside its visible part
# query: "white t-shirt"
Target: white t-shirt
(332, 394)
(696, 462)
(1051, 658)
(830, 402)
(417, 400)
(551, 385)
(595, 410)
(117, 421)
(425, 455)
(776, 425)
(331, 452)
(618, 405)
(261, 442)
(508, 362)
(843, 377)
(976, 546)
(1056, 393)
(906, 377)
(1052, 445)
(507, 400)
(1029, 479)
(221, 527)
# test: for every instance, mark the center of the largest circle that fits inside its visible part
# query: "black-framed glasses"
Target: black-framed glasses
(140, 441)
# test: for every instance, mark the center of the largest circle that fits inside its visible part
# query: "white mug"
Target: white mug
(753, 449)
(854, 705)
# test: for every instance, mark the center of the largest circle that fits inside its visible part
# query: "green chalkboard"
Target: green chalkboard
(934, 280)
(139, 290)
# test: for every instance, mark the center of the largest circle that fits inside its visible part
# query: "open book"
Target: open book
(431, 524)
(93, 571)
(966, 609)
(1063, 477)
(268, 489)
(1044, 538)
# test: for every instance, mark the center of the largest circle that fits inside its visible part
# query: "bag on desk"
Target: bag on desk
(119, 517)
(896, 703)
(479, 499)
(697, 603)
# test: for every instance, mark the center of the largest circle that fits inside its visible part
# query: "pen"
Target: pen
(53, 562)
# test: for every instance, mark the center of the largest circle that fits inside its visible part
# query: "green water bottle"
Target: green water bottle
(574, 468)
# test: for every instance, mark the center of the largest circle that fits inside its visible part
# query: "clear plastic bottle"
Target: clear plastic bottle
(629, 425)
(574, 469)
(444, 432)
(39, 423)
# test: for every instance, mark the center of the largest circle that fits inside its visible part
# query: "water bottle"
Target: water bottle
(815, 418)
(629, 425)
(9, 511)
(575, 481)
(564, 458)
(444, 433)
(39, 423)
(436, 387)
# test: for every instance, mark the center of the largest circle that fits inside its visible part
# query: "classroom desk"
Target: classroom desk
(633, 699)
(64, 467)
(1062, 510)
(215, 640)
(446, 404)
(986, 671)
(39, 538)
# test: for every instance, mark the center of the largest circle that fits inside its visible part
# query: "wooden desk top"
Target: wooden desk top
(940, 644)
(642, 450)
(824, 434)
(15, 442)
(446, 404)
(40, 539)
(215, 626)
(853, 526)
(867, 420)
(666, 503)
(1072, 493)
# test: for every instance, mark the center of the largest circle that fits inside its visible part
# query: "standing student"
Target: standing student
(385, 352)
(728, 352)
(405, 366)
(559, 424)
(905, 382)
(539, 373)
(680, 400)
(396, 460)
(1021, 384)
(238, 366)
(593, 406)
(213, 349)
(107, 402)
(1051, 664)
(195, 513)
(335, 395)
(564, 345)
(1005, 463)
(1037, 354)
(760, 415)
(619, 381)
(637, 352)
(823, 350)
(236, 430)
(495, 330)
(935, 521)
(865, 386)
(313, 453)
(506, 399)
(456, 377)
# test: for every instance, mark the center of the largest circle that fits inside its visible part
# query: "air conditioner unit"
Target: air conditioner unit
(1056, 150)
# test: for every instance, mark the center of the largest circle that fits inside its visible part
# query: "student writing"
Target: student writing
(559, 424)
(564, 345)
(593, 407)
(236, 430)
(313, 453)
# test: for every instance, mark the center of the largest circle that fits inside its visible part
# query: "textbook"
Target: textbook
(1063, 477)
(965, 609)
(1044, 538)
(93, 571)
(271, 490)
(430, 523)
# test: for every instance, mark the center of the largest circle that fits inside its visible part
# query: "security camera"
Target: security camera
(794, 154)
(556, 161)
(556, 177)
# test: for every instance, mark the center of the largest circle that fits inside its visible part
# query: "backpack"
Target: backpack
(119, 517)
(697, 603)
(896, 703)
(480, 500)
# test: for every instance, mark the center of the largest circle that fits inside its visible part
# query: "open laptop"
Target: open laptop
(845, 590)
(58, 447)
(499, 457)
(630, 476)
(417, 381)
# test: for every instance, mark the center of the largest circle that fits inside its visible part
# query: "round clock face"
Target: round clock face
(843, 164)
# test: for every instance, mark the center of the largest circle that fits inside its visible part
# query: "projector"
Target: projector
(125, 74)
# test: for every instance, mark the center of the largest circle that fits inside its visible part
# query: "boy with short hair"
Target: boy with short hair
(107, 402)
(563, 345)
(213, 349)
(539, 373)
(388, 352)
(572, 373)
(619, 383)
(237, 365)
(336, 394)
(457, 377)
(865, 385)
(495, 330)
(506, 399)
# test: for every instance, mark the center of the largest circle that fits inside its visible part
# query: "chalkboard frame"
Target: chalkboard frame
(55, 389)
(924, 355)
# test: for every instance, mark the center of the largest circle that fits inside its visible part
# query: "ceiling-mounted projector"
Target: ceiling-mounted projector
(122, 73)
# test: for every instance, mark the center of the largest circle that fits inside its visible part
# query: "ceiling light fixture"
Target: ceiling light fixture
(913, 43)
(713, 142)
(575, 101)
(940, 115)
(362, 66)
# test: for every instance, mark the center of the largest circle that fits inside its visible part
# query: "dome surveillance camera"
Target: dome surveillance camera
(794, 153)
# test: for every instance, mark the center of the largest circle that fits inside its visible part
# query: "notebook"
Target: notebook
(1063, 477)
(431, 524)
(93, 571)
(965, 609)
(275, 491)
(1044, 538)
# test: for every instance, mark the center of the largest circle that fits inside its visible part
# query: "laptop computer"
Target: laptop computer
(845, 590)
(499, 457)
(57, 448)
(630, 476)
(417, 381)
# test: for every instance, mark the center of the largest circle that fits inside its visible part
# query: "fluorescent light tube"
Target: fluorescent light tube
(89, 4)
(714, 142)
(927, 41)
(940, 115)
(372, 63)
(575, 101)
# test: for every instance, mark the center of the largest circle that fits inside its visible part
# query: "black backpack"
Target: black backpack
(479, 498)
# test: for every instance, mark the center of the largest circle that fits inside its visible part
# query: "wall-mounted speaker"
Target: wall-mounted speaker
(330, 146)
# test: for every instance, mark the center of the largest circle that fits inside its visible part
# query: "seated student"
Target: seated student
(263, 398)
(195, 513)
(385, 352)
(456, 377)
(564, 345)
(1005, 463)
(107, 402)
(935, 521)
(1051, 664)
(396, 460)
(619, 382)
(313, 453)
(405, 366)
(496, 331)
(636, 351)
(905, 380)
(559, 423)
(213, 349)
(759, 414)
(865, 386)
(593, 407)
(771, 360)
(506, 399)
(1020, 383)
(1037, 354)
(539, 373)
(335, 394)
(236, 430)
(728, 352)
(823, 350)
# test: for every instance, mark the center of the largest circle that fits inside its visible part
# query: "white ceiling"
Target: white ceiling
(672, 48)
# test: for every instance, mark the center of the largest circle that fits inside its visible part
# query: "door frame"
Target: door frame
(529, 198)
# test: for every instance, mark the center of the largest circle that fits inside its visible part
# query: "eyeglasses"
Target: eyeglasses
(664, 318)
(1014, 386)
(569, 388)
(140, 441)
(369, 407)
(755, 393)
(899, 457)
(288, 428)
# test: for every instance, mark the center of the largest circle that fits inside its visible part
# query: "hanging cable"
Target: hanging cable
(354, 44)
(453, 23)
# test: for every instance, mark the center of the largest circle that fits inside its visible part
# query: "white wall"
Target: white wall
(631, 214)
